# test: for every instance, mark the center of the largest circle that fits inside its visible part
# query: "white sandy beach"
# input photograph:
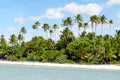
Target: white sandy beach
(106, 67)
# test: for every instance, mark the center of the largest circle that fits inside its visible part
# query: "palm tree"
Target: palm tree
(55, 27)
(3, 42)
(68, 22)
(37, 26)
(34, 27)
(110, 22)
(51, 31)
(20, 38)
(46, 27)
(23, 31)
(80, 25)
(103, 20)
(85, 25)
(13, 40)
(78, 18)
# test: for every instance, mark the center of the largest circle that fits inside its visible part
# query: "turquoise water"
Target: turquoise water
(18, 72)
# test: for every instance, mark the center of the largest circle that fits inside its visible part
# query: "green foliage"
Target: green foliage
(88, 48)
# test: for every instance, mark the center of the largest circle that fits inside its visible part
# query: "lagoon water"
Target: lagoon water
(20, 72)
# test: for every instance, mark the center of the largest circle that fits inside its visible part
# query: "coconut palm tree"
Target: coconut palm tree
(103, 20)
(85, 25)
(13, 40)
(68, 22)
(46, 27)
(51, 31)
(23, 31)
(20, 38)
(55, 27)
(80, 25)
(3, 42)
(37, 26)
(78, 18)
(34, 27)
(110, 22)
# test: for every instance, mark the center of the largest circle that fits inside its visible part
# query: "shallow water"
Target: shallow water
(20, 72)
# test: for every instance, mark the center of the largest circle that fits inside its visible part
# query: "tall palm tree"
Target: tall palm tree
(34, 27)
(85, 25)
(23, 31)
(3, 42)
(80, 25)
(110, 22)
(20, 38)
(103, 20)
(13, 40)
(78, 18)
(95, 20)
(68, 22)
(46, 27)
(51, 31)
(55, 27)
(37, 26)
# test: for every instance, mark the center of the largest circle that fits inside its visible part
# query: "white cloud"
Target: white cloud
(10, 29)
(113, 2)
(54, 13)
(89, 9)
(19, 20)
(36, 18)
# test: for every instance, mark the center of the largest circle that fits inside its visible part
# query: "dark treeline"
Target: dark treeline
(87, 48)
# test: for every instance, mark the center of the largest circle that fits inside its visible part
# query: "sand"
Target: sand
(106, 67)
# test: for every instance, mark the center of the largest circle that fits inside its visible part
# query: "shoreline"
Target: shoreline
(81, 66)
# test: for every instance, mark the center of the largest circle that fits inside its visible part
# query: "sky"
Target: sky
(14, 14)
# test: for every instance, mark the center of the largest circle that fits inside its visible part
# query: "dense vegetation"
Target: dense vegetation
(86, 48)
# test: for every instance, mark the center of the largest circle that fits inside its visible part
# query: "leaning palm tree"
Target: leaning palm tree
(46, 27)
(110, 22)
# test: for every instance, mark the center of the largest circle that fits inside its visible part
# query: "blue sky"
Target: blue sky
(15, 14)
